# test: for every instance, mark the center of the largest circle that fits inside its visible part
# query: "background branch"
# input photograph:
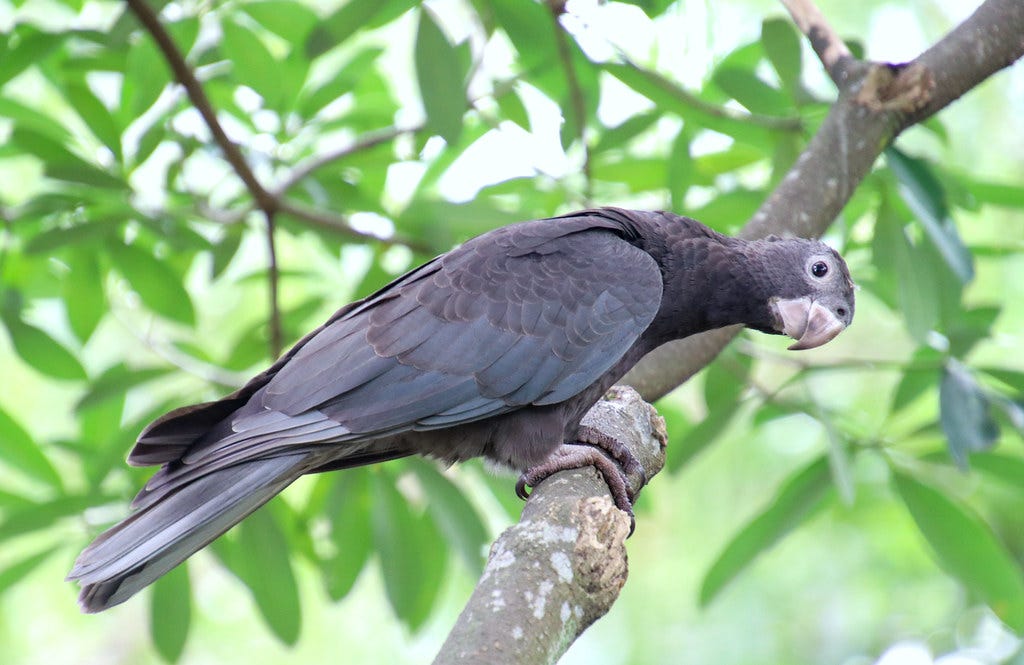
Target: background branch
(183, 73)
(825, 41)
(868, 115)
(561, 567)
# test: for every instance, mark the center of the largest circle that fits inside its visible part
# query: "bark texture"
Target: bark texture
(561, 567)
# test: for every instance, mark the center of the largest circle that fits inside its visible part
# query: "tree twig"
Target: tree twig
(825, 41)
(687, 98)
(865, 119)
(317, 162)
(560, 568)
(273, 286)
(338, 224)
(183, 73)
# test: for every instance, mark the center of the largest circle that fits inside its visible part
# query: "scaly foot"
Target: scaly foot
(592, 448)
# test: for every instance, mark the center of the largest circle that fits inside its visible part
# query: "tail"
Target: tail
(161, 534)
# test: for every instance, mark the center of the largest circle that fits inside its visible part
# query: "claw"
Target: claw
(521, 487)
(609, 456)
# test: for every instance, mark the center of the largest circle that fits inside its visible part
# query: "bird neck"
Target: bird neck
(709, 283)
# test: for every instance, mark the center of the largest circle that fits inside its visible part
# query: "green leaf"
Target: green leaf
(31, 118)
(253, 65)
(653, 8)
(726, 379)
(260, 559)
(83, 293)
(19, 570)
(19, 451)
(681, 169)
(966, 327)
(1011, 377)
(59, 163)
(912, 385)
(729, 210)
(81, 234)
(1005, 468)
(226, 249)
(916, 286)
(40, 516)
(456, 517)
(639, 174)
(670, 98)
(146, 74)
(441, 79)
(42, 352)
(800, 497)
(993, 193)
(170, 613)
(620, 135)
(683, 449)
(349, 507)
(410, 551)
(115, 382)
(966, 548)
(25, 47)
(924, 195)
(529, 28)
(95, 115)
(512, 108)
(289, 20)
(348, 76)
(965, 413)
(782, 47)
(353, 16)
(713, 164)
(160, 288)
(746, 88)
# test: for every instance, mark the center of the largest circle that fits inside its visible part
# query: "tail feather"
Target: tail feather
(156, 538)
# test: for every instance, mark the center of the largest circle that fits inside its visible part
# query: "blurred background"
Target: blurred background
(858, 502)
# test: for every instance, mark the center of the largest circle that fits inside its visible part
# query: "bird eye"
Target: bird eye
(819, 269)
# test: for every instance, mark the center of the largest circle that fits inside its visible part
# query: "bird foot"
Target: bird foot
(608, 455)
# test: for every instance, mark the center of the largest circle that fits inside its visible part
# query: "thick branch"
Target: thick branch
(870, 112)
(562, 566)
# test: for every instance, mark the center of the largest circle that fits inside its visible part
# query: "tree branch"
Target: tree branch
(824, 39)
(365, 142)
(335, 223)
(183, 73)
(273, 282)
(870, 112)
(562, 566)
(268, 202)
(687, 98)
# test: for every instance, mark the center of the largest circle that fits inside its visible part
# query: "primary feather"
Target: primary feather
(496, 348)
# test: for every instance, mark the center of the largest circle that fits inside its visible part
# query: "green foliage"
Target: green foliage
(134, 278)
(800, 497)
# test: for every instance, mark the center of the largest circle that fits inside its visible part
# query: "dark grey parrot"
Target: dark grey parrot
(496, 349)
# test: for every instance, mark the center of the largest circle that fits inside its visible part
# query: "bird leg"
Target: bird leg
(608, 455)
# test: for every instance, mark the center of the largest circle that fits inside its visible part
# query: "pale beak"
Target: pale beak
(807, 321)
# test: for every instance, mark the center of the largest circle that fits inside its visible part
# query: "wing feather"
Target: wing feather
(531, 315)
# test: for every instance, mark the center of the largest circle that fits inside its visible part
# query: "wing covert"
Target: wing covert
(491, 328)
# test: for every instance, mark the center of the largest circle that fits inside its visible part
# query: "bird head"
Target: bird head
(810, 292)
